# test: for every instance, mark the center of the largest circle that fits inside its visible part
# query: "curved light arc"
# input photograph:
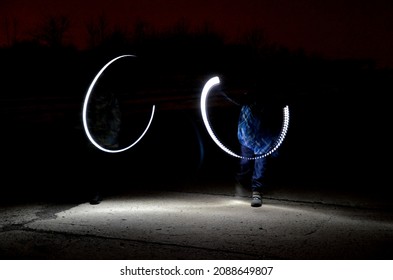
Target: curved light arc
(206, 89)
(84, 111)
(205, 92)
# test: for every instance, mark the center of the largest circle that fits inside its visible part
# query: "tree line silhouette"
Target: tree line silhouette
(47, 64)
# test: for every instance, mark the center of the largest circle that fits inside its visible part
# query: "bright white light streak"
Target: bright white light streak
(205, 92)
(208, 86)
(84, 112)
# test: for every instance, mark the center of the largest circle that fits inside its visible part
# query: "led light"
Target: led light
(205, 92)
(84, 112)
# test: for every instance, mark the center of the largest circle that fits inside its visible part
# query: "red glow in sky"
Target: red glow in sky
(334, 28)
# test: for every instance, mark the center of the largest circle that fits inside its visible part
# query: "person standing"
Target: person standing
(259, 127)
(105, 124)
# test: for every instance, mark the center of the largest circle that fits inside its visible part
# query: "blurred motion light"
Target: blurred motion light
(205, 92)
(84, 112)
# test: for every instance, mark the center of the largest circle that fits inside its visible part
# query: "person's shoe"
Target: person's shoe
(96, 199)
(256, 199)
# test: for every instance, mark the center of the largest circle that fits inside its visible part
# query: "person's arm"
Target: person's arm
(239, 99)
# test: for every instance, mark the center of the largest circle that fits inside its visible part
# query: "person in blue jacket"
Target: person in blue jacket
(259, 126)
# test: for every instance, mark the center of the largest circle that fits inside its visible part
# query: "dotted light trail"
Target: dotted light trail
(205, 92)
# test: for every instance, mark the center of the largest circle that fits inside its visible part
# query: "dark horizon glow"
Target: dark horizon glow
(335, 29)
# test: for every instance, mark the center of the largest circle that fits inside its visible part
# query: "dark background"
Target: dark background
(338, 134)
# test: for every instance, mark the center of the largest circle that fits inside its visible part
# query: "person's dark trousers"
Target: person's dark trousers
(251, 171)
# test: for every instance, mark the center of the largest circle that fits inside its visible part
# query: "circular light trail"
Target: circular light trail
(205, 92)
(84, 112)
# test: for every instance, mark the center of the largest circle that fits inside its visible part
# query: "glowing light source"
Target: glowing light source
(205, 92)
(84, 112)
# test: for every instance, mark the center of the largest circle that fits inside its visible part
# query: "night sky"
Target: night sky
(335, 28)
